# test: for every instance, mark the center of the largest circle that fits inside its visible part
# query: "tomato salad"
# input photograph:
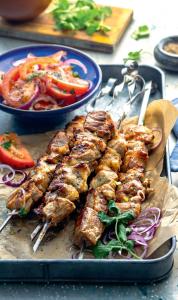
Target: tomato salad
(43, 83)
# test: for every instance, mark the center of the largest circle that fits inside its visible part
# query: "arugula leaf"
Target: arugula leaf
(81, 15)
(6, 145)
(133, 56)
(141, 32)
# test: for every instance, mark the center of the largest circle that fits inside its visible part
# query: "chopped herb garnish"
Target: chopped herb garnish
(121, 242)
(133, 56)
(35, 75)
(6, 145)
(22, 212)
(81, 15)
(141, 32)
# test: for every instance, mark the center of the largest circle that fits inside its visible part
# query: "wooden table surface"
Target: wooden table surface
(161, 16)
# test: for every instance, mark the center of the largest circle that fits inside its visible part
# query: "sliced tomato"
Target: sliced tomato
(17, 92)
(1, 80)
(54, 91)
(27, 67)
(70, 84)
(13, 153)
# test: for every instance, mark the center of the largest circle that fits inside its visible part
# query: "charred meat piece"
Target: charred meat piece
(76, 175)
(88, 227)
(136, 207)
(58, 147)
(24, 197)
(119, 144)
(103, 177)
(110, 161)
(57, 209)
(138, 133)
(101, 124)
(75, 125)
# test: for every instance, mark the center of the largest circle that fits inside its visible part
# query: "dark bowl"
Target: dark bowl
(22, 10)
(94, 75)
(166, 60)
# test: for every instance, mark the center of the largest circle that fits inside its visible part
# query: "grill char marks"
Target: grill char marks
(88, 144)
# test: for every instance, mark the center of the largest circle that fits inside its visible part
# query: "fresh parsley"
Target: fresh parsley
(121, 242)
(81, 15)
(6, 145)
(141, 32)
(133, 56)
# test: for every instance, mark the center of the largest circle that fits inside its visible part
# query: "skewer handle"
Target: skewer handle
(145, 101)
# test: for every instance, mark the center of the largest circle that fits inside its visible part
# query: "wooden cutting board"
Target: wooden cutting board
(42, 30)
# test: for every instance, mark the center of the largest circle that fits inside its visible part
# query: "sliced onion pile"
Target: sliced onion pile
(144, 228)
(9, 175)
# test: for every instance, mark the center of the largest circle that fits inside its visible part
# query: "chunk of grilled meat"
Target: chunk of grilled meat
(138, 133)
(88, 146)
(125, 206)
(41, 175)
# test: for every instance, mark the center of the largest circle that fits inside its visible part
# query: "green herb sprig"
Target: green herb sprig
(6, 145)
(121, 243)
(141, 32)
(81, 15)
(136, 56)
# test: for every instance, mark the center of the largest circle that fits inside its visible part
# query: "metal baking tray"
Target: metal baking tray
(149, 270)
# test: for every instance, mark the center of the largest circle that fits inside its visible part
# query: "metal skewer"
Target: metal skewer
(35, 231)
(41, 236)
(13, 213)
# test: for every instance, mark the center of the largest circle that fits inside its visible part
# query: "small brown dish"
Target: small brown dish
(22, 10)
(166, 53)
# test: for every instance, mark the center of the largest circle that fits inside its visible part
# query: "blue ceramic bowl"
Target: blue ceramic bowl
(94, 75)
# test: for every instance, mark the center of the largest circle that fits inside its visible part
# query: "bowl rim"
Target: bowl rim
(65, 108)
(165, 41)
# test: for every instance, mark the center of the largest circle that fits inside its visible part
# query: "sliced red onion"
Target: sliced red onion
(76, 62)
(10, 175)
(151, 212)
(10, 182)
(27, 105)
(137, 238)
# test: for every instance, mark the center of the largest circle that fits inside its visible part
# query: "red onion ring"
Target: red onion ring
(158, 137)
(10, 171)
(139, 240)
(76, 62)
(11, 183)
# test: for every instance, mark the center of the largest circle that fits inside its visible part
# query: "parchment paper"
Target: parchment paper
(15, 238)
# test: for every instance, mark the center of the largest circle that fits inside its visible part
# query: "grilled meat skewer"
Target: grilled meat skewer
(132, 153)
(70, 179)
(41, 175)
